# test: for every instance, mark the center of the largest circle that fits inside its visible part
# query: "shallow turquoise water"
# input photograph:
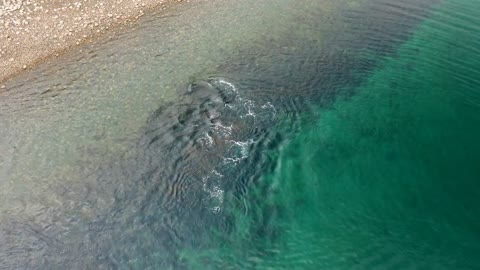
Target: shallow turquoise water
(388, 178)
(264, 135)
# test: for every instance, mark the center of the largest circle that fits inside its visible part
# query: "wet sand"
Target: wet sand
(32, 31)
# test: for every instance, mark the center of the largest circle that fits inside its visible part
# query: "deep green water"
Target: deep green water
(388, 178)
(273, 134)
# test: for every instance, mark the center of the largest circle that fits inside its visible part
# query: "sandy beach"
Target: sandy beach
(32, 31)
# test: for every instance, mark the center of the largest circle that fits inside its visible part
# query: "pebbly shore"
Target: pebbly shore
(32, 31)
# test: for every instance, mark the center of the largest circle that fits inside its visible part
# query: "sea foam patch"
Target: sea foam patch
(239, 115)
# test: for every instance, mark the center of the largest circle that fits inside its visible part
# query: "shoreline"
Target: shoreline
(34, 31)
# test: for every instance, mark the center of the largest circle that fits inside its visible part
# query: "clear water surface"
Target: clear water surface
(251, 135)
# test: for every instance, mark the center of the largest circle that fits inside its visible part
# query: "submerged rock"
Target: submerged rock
(208, 100)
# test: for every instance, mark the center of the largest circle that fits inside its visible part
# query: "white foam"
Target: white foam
(237, 150)
(249, 105)
(227, 83)
(207, 140)
(211, 185)
(216, 209)
(238, 156)
(269, 105)
(222, 130)
(229, 106)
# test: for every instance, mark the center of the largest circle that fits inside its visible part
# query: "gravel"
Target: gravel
(32, 31)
